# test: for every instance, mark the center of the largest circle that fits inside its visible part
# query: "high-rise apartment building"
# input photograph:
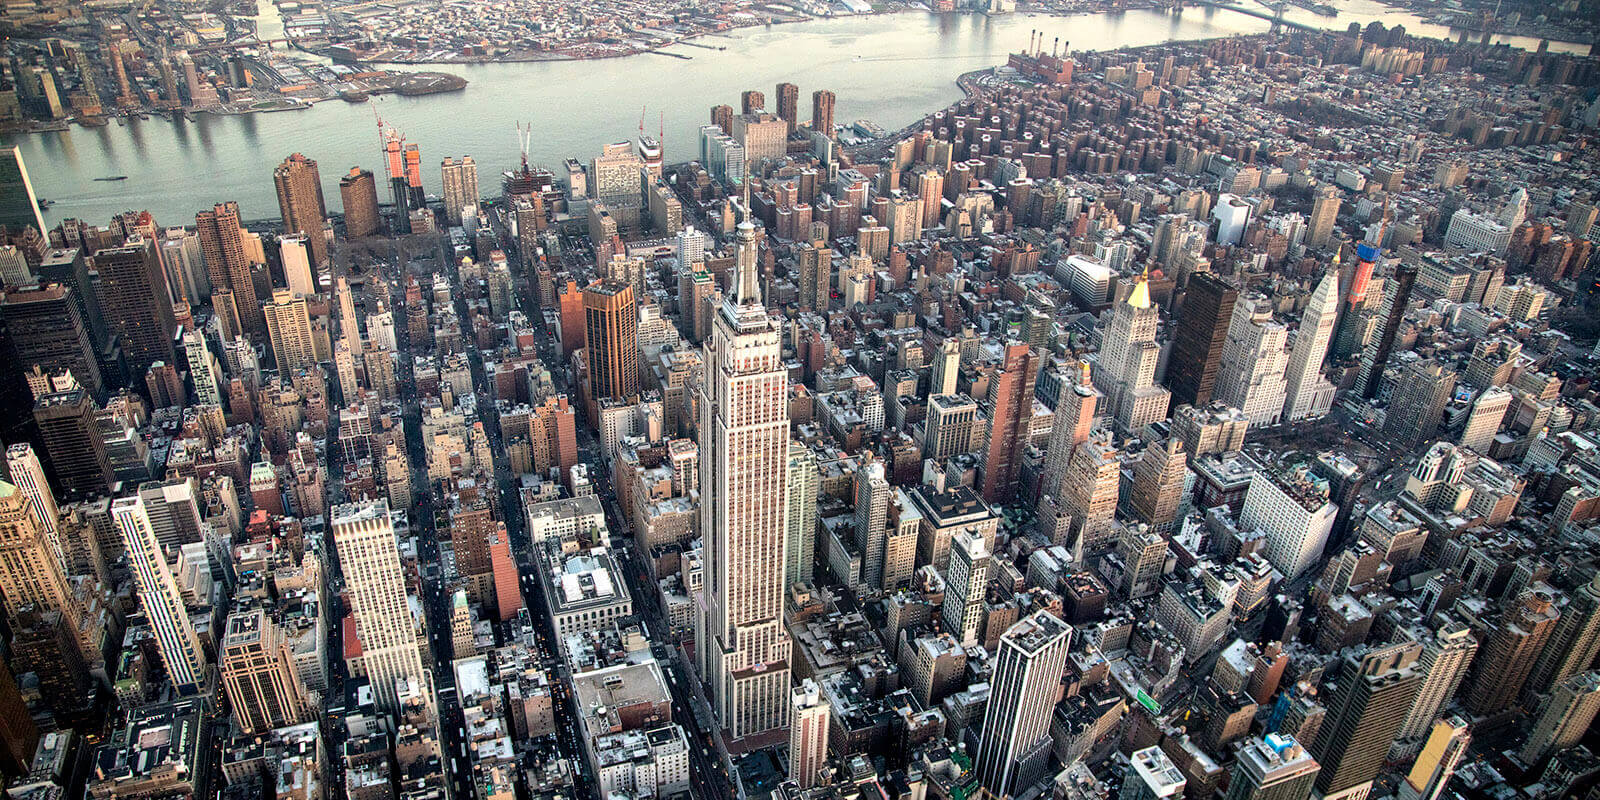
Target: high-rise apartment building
(1566, 717)
(1307, 394)
(1254, 359)
(1274, 767)
(300, 202)
(1202, 331)
(358, 193)
(822, 102)
(460, 186)
(752, 101)
(742, 644)
(133, 297)
(1010, 409)
(204, 371)
(1013, 747)
(611, 333)
(1510, 648)
(808, 738)
(946, 367)
(800, 494)
(159, 596)
(261, 687)
(789, 104)
(27, 474)
(289, 332)
(1367, 702)
(966, 580)
(872, 520)
(1433, 769)
(614, 176)
(370, 563)
(227, 263)
(815, 262)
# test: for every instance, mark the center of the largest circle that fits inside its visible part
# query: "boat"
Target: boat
(113, 178)
(353, 96)
(44, 203)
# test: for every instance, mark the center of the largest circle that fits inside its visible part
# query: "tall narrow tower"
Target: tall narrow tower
(1127, 362)
(1308, 394)
(159, 596)
(300, 202)
(1025, 685)
(742, 644)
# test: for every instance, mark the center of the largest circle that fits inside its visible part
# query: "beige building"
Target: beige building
(289, 331)
(370, 561)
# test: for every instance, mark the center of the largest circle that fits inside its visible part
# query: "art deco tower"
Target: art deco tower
(1308, 394)
(744, 448)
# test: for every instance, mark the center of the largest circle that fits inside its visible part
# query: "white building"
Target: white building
(1293, 511)
(1014, 746)
(1254, 362)
(1477, 233)
(1232, 214)
(370, 561)
(808, 738)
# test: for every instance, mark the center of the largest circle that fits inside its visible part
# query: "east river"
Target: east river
(888, 69)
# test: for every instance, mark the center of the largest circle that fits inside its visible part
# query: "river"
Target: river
(888, 69)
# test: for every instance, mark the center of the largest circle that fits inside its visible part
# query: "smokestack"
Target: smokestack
(1054, 45)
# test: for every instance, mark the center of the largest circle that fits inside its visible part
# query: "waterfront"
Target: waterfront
(889, 69)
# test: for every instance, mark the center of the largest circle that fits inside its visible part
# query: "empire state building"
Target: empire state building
(742, 646)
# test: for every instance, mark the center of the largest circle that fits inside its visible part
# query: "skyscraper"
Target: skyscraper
(1024, 687)
(1126, 368)
(72, 441)
(1307, 394)
(1253, 362)
(1565, 718)
(1324, 213)
(752, 101)
(742, 644)
(815, 261)
(370, 562)
(42, 326)
(1202, 331)
(300, 202)
(1418, 402)
(289, 332)
(1274, 767)
(261, 688)
(358, 193)
(611, 333)
(159, 596)
(31, 567)
(822, 102)
(132, 291)
(1446, 655)
(1158, 478)
(966, 580)
(1010, 409)
(1483, 423)
(808, 738)
(19, 206)
(227, 264)
(1076, 403)
(204, 371)
(1367, 702)
(946, 367)
(1447, 745)
(800, 494)
(394, 159)
(1573, 644)
(22, 464)
(1510, 647)
(789, 104)
(460, 186)
(1397, 297)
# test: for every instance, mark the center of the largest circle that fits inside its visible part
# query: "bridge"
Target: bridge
(1276, 17)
